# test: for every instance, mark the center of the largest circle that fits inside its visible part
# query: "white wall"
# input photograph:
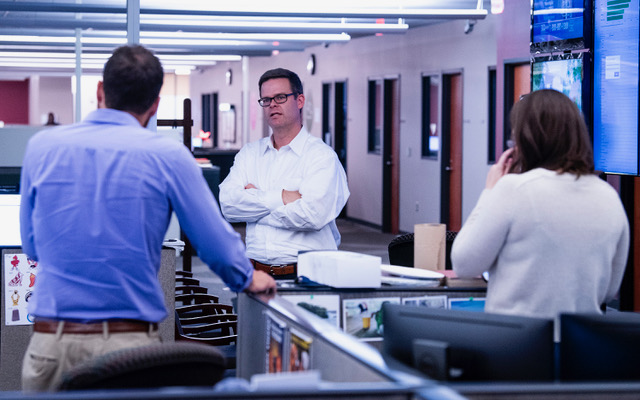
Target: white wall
(56, 97)
(436, 49)
(50, 94)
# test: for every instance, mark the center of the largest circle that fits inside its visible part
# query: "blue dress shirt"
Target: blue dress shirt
(97, 197)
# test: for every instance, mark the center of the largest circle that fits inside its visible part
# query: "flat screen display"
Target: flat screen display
(10, 217)
(564, 75)
(557, 24)
(615, 86)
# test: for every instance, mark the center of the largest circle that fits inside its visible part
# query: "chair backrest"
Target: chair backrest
(401, 249)
(186, 289)
(196, 298)
(186, 281)
(158, 365)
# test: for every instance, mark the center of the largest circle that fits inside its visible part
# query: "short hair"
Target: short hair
(132, 79)
(294, 79)
(550, 132)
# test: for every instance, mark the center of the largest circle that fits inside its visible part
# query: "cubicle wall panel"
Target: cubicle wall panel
(167, 277)
(14, 339)
(255, 327)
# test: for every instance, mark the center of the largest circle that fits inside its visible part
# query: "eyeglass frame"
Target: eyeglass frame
(262, 99)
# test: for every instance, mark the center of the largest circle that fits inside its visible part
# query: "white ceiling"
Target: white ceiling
(47, 36)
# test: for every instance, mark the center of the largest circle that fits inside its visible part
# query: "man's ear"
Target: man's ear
(300, 99)
(100, 95)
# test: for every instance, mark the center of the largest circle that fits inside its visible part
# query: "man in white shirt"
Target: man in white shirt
(288, 187)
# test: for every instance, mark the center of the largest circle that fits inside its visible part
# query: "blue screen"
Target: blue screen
(557, 20)
(615, 86)
(562, 75)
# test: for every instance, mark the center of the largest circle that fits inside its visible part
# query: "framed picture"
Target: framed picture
(467, 303)
(362, 318)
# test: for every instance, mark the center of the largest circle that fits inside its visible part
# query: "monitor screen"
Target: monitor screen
(600, 347)
(477, 346)
(557, 25)
(615, 86)
(10, 217)
(10, 180)
(564, 75)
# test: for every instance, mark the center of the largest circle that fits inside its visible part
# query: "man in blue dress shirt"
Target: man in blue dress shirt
(97, 197)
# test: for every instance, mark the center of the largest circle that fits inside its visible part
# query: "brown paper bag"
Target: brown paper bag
(429, 246)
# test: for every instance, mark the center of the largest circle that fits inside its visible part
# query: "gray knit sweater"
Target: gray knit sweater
(551, 243)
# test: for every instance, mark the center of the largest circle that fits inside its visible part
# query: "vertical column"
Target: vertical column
(133, 21)
(78, 100)
(245, 100)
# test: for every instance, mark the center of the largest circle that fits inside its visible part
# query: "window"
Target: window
(375, 116)
(430, 134)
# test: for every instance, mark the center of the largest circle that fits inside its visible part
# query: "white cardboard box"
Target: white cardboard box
(341, 269)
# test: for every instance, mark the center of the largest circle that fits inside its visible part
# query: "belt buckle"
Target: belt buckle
(271, 267)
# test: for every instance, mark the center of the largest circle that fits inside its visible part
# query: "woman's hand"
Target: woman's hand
(499, 169)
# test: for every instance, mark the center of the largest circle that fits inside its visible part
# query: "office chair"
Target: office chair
(157, 365)
(401, 249)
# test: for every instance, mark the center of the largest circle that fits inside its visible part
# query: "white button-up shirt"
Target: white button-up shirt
(277, 232)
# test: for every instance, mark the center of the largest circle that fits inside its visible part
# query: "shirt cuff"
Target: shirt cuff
(273, 199)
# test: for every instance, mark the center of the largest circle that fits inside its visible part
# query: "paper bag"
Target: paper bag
(429, 246)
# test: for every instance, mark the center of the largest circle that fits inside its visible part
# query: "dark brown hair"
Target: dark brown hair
(549, 132)
(294, 80)
(132, 78)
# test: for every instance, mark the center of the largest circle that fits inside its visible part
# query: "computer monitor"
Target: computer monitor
(10, 217)
(10, 180)
(469, 346)
(600, 347)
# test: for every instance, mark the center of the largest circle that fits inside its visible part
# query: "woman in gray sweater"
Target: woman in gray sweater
(553, 236)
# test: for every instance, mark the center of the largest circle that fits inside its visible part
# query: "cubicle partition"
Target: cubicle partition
(274, 334)
(346, 359)
(358, 311)
(19, 277)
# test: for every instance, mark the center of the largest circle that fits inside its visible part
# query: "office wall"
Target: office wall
(14, 102)
(513, 37)
(53, 95)
(435, 49)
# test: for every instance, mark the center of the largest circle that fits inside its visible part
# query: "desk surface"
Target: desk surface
(450, 285)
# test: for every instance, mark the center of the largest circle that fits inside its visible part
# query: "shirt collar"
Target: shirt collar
(296, 145)
(111, 116)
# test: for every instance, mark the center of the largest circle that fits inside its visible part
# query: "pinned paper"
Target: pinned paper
(429, 246)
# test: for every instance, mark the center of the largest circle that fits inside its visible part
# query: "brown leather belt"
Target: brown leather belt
(120, 326)
(275, 270)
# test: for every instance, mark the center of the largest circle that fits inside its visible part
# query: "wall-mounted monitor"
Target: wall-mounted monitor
(558, 25)
(564, 75)
(615, 86)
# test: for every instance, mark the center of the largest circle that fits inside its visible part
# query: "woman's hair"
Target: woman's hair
(549, 132)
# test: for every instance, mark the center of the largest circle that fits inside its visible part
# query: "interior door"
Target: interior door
(391, 157)
(451, 202)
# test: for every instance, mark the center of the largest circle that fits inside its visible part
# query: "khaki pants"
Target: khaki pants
(49, 355)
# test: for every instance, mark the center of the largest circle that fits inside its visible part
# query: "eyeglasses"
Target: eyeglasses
(279, 99)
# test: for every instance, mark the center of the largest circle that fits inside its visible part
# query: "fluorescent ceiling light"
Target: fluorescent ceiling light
(62, 39)
(189, 38)
(288, 25)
